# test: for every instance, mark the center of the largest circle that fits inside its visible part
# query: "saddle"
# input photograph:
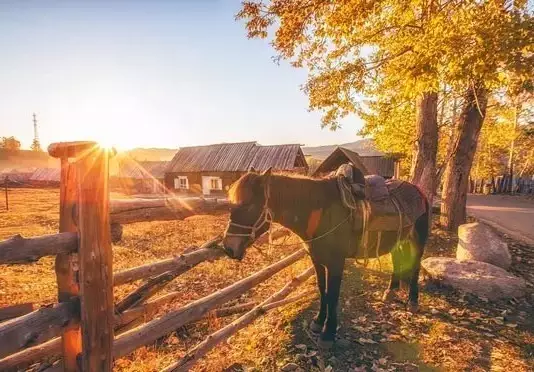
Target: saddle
(377, 206)
(388, 204)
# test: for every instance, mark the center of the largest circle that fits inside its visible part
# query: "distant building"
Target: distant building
(145, 177)
(16, 177)
(46, 177)
(375, 163)
(210, 170)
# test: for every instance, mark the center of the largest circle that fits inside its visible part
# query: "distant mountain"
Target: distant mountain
(151, 154)
(364, 147)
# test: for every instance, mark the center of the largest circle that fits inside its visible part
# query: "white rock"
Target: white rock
(475, 277)
(477, 241)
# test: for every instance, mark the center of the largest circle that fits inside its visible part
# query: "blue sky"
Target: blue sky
(148, 74)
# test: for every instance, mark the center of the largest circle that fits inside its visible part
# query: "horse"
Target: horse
(312, 208)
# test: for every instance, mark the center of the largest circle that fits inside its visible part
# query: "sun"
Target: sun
(108, 142)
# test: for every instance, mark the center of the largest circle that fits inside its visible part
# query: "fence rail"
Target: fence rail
(85, 330)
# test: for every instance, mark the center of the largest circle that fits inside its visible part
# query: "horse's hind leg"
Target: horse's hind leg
(417, 247)
(390, 294)
(413, 294)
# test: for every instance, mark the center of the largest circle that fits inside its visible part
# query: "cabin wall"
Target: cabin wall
(195, 182)
(383, 166)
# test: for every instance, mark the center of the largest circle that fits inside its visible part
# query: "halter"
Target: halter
(266, 216)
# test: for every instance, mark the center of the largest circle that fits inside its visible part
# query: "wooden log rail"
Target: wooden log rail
(24, 250)
(157, 283)
(151, 331)
(52, 348)
(141, 210)
(181, 263)
(14, 311)
(201, 349)
(36, 327)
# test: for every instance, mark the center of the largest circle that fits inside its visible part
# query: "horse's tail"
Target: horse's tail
(423, 223)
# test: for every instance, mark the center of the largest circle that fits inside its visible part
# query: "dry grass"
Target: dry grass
(452, 333)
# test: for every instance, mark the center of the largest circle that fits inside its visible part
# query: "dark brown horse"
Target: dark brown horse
(312, 209)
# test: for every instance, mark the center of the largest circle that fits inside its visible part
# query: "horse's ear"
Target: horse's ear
(252, 170)
(268, 172)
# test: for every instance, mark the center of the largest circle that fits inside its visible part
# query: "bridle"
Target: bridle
(266, 217)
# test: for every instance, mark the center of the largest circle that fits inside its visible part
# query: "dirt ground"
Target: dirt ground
(452, 332)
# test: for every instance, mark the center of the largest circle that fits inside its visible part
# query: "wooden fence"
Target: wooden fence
(85, 330)
(502, 185)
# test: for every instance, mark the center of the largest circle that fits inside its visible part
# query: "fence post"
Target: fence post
(67, 264)
(96, 273)
(85, 186)
(7, 197)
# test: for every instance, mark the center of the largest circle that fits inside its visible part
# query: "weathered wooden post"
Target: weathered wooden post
(85, 208)
(7, 198)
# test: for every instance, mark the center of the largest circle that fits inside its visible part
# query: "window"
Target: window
(215, 184)
(181, 183)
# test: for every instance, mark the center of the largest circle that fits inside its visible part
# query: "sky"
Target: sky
(148, 74)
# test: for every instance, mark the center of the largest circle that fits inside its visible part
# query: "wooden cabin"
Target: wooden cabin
(371, 163)
(210, 170)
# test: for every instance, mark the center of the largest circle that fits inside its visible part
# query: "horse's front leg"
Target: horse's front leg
(333, 285)
(391, 293)
(317, 323)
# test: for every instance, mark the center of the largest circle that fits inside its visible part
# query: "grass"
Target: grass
(453, 332)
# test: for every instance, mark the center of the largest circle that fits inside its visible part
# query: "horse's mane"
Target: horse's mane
(286, 190)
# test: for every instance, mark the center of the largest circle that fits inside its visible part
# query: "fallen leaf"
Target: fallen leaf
(362, 340)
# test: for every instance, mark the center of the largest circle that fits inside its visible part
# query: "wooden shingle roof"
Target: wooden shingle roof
(340, 156)
(236, 157)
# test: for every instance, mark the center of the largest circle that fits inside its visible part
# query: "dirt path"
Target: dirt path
(513, 215)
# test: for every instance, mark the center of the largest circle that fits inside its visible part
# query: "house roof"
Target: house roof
(46, 174)
(340, 156)
(142, 169)
(236, 157)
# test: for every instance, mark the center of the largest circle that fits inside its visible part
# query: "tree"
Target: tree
(356, 49)
(404, 52)
(10, 143)
(36, 145)
(498, 42)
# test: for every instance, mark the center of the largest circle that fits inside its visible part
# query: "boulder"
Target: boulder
(478, 278)
(477, 241)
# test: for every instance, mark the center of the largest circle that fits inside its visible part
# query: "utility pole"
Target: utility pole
(36, 145)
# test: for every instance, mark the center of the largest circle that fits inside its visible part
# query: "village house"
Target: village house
(373, 162)
(211, 169)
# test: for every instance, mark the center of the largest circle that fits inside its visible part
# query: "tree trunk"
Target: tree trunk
(454, 195)
(423, 170)
(512, 148)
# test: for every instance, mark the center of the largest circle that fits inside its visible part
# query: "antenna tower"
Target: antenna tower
(36, 145)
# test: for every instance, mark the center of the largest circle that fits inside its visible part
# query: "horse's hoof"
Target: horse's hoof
(325, 344)
(412, 307)
(315, 327)
(390, 296)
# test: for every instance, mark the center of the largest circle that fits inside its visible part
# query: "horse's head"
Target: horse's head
(250, 216)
